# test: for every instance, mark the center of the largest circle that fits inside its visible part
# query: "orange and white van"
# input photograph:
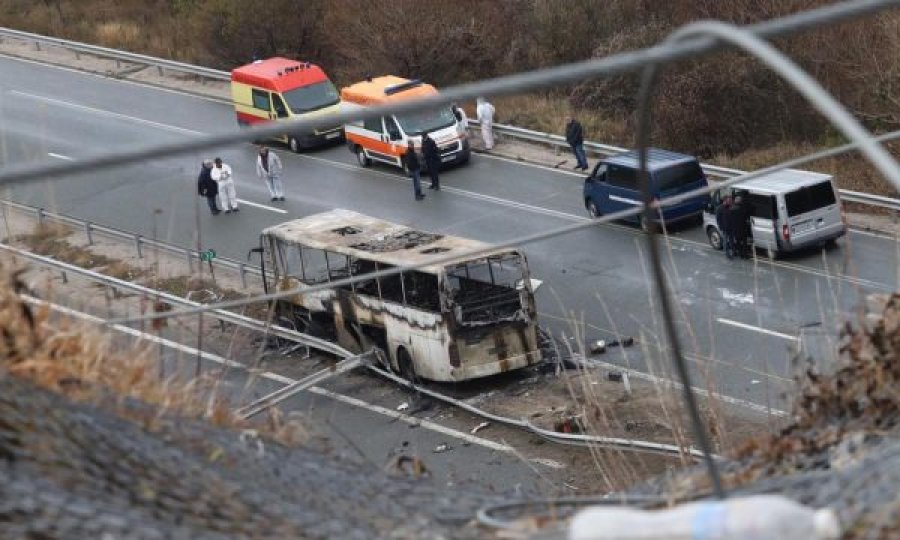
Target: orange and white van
(280, 89)
(385, 139)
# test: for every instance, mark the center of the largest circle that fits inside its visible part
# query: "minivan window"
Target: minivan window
(417, 123)
(623, 177)
(312, 97)
(677, 176)
(761, 206)
(807, 199)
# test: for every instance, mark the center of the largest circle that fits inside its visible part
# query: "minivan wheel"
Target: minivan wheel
(362, 158)
(294, 145)
(592, 209)
(715, 237)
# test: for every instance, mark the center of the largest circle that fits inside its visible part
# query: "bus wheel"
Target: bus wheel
(294, 145)
(362, 158)
(405, 365)
(592, 209)
(715, 237)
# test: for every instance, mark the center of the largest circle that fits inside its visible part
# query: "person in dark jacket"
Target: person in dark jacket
(724, 224)
(207, 187)
(432, 157)
(739, 221)
(411, 162)
(575, 138)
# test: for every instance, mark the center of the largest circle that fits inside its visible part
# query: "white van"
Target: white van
(789, 210)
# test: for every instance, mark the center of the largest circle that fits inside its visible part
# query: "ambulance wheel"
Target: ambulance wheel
(294, 145)
(362, 158)
(715, 237)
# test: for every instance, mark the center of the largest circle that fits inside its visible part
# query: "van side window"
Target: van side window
(373, 124)
(279, 107)
(761, 206)
(391, 128)
(623, 177)
(261, 99)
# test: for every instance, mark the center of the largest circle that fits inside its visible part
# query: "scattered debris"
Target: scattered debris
(441, 448)
(754, 381)
(479, 427)
(598, 347)
(403, 406)
(409, 466)
(571, 424)
(614, 376)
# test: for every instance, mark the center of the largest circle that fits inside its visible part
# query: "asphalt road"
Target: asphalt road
(738, 319)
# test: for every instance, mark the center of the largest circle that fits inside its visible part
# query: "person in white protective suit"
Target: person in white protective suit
(221, 173)
(268, 167)
(485, 112)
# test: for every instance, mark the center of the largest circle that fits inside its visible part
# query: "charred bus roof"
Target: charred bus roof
(365, 237)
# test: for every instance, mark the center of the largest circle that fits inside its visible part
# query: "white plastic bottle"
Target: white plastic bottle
(757, 517)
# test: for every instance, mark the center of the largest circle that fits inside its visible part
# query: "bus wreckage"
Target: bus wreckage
(447, 321)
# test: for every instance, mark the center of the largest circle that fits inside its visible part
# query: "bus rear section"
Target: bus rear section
(444, 321)
(386, 139)
(282, 89)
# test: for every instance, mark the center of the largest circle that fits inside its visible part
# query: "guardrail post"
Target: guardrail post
(77, 55)
(89, 233)
(242, 269)
(190, 260)
(40, 215)
(137, 246)
(37, 45)
(160, 70)
(65, 278)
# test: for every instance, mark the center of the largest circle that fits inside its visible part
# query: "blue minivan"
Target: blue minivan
(613, 186)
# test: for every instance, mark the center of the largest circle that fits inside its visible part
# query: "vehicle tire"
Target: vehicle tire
(294, 145)
(405, 365)
(592, 209)
(361, 157)
(715, 238)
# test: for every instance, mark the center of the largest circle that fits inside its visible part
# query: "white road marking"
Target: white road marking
(761, 330)
(60, 156)
(412, 420)
(108, 114)
(486, 443)
(264, 207)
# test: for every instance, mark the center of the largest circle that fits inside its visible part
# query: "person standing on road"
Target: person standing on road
(207, 187)
(221, 173)
(575, 138)
(739, 218)
(411, 162)
(485, 112)
(461, 117)
(432, 157)
(268, 167)
(723, 221)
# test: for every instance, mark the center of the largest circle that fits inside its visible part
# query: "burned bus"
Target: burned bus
(445, 321)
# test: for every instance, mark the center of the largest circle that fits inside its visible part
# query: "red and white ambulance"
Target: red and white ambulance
(279, 89)
(385, 139)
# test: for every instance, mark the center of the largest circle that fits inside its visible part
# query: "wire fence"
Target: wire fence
(691, 41)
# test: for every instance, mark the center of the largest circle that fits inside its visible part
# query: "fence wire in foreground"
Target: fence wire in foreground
(690, 41)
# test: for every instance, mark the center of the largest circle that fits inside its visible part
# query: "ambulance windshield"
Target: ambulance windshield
(312, 97)
(425, 121)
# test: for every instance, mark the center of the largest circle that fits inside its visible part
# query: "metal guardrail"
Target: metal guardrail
(553, 139)
(504, 129)
(350, 361)
(160, 63)
(192, 256)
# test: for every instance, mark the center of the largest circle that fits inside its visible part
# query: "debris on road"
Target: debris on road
(598, 347)
(479, 427)
(403, 406)
(441, 448)
(547, 462)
